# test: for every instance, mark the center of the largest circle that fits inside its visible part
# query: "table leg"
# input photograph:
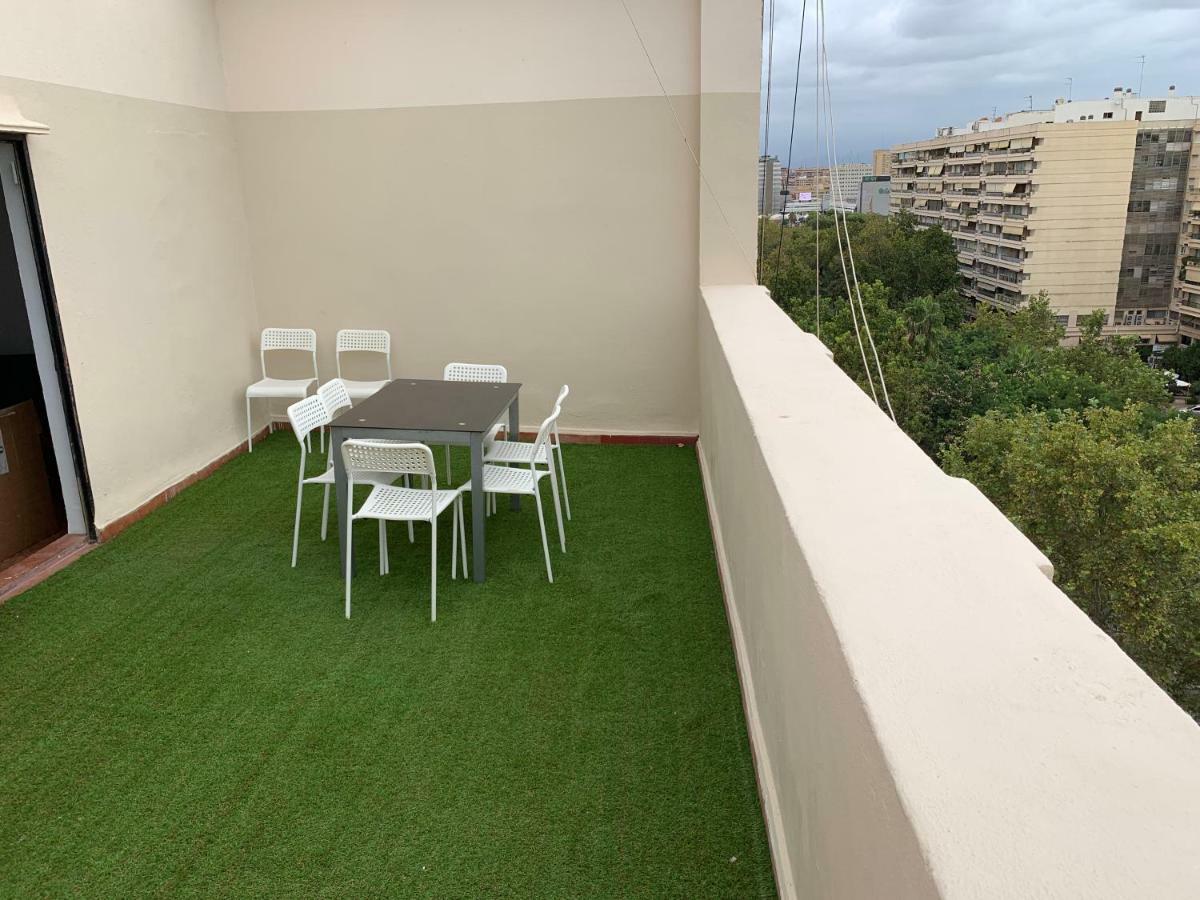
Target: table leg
(478, 509)
(514, 434)
(341, 493)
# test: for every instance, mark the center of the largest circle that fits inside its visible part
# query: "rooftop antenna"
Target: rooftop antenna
(1029, 97)
(993, 112)
(1070, 83)
(1141, 72)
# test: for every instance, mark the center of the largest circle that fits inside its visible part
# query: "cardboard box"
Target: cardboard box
(28, 513)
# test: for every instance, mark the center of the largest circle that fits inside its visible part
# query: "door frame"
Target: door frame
(62, 366)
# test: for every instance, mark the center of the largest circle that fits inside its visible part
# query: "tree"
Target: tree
(923, 318)
(1113, 499)
(1183, 360)
(1076, 444)
(890, 250)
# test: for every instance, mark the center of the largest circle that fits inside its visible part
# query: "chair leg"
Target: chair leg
(562, 537)
(325, 515)
(411, 537)
(563, 474)
(462, 531)
(384, 566)
(537, 499)
(296, 530)
(349, 556)
(433, 571)
(249, 429)
(454, 540)
(449, 477)
(321, 432)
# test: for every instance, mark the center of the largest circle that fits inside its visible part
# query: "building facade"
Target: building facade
(844, 184)
(881, 162)
(770, 186)
(875, 195)
(1185, 303)
(1036, 201)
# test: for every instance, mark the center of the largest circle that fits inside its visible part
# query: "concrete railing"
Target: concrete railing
(930, 715)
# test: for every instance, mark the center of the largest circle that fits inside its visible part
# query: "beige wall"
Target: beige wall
(576, 265)
(730, 51)
(141, 202)
(353, 134)
(363, 143)
(300, 55)
(931, 716)
(1077, 227)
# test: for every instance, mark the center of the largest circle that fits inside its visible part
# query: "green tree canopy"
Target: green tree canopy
(1114, 500)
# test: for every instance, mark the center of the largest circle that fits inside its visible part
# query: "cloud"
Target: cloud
(901, 68)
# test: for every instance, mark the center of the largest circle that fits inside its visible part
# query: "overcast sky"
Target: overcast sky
(901, 68)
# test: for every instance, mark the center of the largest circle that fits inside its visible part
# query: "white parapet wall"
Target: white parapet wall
(930, 715)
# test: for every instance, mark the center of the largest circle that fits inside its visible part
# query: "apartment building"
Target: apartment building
(1185, 304)
(770, 186)
(881, 162)
(1083, 201)
(844, 184)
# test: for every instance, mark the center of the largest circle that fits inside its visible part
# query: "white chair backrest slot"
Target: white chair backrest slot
(304, 339)
(543, 435)
(307, 415)
(393, 457)
(333, 393)
(364, 340)
(481, 372)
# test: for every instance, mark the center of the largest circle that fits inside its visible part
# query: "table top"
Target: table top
(423, 405)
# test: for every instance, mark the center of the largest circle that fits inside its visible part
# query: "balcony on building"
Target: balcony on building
(784, 653)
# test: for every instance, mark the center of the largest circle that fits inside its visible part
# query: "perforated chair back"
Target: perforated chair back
(392, 457)
(460, 371)
(363, 340)
(306, 415)
(543, 436)
(555, 440)
(304, 339)
(335, 397)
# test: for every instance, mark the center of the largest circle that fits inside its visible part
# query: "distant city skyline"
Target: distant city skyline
(901, 69)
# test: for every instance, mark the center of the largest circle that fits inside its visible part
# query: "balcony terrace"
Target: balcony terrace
(784, 651)
(183, 710)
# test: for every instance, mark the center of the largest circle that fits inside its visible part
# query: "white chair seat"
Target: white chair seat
(326, 477)
(514, 452)
(361, 390)
(286, 388)
(503, 480)
(401, 504)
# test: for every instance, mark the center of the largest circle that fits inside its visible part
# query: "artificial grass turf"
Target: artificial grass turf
(183, 713)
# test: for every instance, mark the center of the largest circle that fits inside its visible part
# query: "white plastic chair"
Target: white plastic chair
(358, 340)
(515, 452)
(401, 504)
(336, 398)
(481, 372)
(304, 339)
(520, 480)
(310, 413)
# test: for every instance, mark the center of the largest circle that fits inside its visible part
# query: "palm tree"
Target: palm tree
(923, 317)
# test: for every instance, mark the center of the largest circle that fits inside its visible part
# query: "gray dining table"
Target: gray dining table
(432, 412)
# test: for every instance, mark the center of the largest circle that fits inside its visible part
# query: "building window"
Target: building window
(1158, 106)
(1108, 115)
(1062, 320)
